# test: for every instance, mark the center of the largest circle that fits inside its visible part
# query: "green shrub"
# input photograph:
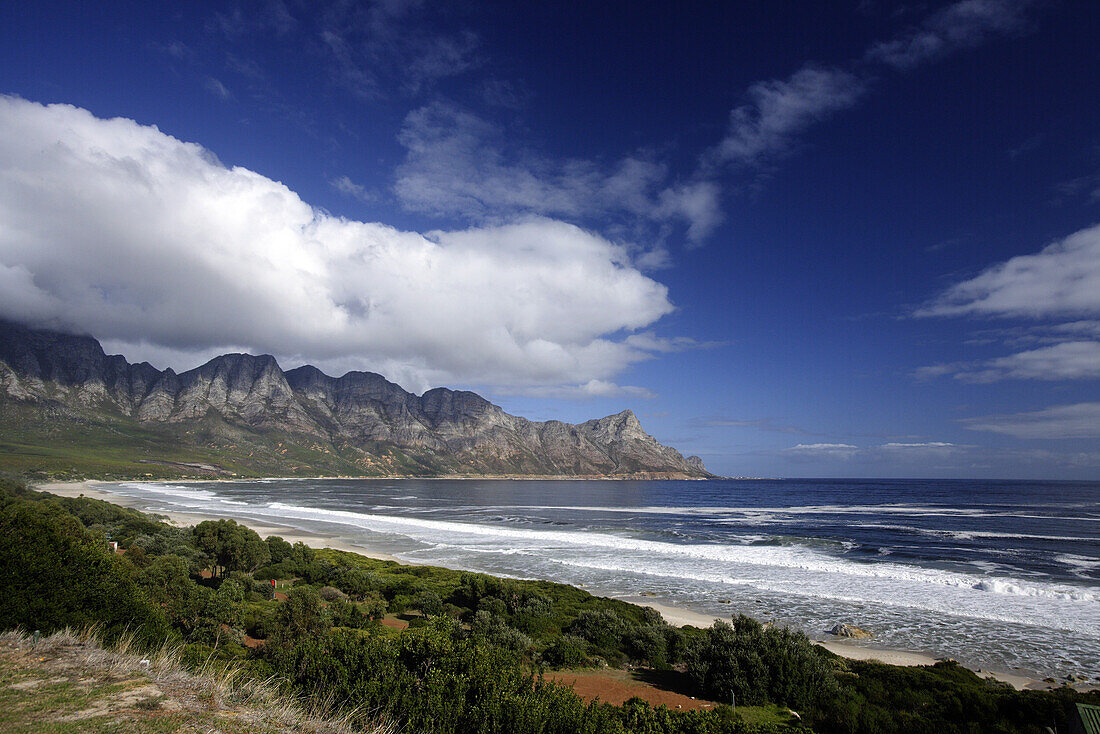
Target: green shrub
(429, 603)
(760, 665)
(567, 651)
(55, 574)
(302, 614)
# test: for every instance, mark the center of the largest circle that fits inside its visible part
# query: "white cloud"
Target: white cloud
(1062, 279)
(831, 450)
(779, 110)
(1077, 360)
(1081, 420)
(651, 342)
(118, 229)
(345, 185)
(458, 163)
(1066, 360)
(959, 26)
(590, 389)
(893, 451)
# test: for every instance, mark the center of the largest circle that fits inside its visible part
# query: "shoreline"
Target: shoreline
(288, 533)
(676, 616)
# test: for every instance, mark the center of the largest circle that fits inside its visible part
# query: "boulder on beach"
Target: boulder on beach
(851, 631)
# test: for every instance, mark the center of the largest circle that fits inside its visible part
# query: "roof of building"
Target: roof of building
(1090, 717)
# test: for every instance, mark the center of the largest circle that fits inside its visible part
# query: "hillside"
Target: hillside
(66, 407)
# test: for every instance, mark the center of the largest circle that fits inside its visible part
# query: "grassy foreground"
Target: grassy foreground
(429, 649)
(70, 682)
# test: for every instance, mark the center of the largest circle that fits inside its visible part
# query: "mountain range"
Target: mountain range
(68, 408)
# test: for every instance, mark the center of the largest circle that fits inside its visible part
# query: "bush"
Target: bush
(759, 665)
(302, 615)
(356, 583)
(567, 651)
(429, 603)
(55, 574)
(331, 593)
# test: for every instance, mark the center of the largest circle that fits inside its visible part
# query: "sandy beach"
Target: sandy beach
(677, 616)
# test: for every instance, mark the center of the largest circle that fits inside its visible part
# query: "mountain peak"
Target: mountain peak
(245, 409)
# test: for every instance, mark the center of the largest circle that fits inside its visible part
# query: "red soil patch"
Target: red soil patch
(394, 622)
(618, 686)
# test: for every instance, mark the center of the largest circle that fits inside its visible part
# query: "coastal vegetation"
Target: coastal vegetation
(437, 650)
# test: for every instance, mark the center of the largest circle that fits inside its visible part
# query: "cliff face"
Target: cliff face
(362, 418)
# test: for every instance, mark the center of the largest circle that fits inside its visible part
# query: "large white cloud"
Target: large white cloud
(121, 230)
(1062, 279)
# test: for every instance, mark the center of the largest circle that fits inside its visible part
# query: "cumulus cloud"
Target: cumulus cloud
(959, 26)
(1081, 420)
(118, 229)
(778, 110)
(459, 163)
(1062, 279)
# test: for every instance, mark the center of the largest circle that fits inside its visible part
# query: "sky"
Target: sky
(850, 239)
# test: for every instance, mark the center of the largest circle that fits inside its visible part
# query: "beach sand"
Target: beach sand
(673, 615)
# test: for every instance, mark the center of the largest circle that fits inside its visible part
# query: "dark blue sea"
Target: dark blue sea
(1000, 575)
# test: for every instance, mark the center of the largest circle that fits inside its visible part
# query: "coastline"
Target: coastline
(286, 532)
(676, 616)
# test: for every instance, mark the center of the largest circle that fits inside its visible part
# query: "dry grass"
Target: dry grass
(70, 681)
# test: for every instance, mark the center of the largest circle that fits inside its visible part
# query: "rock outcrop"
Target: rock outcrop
(850, 631)
(361, 417)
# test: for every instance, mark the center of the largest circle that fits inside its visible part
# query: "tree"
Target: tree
(277, 548)
(55, 574)
(230, 546)
(168, 583)
(302, 614)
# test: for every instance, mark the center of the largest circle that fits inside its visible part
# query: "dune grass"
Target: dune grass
(71, 682)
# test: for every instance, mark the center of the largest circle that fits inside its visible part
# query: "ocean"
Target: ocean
(999, 575)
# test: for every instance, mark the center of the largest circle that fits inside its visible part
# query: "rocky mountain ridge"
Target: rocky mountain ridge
(360, 422)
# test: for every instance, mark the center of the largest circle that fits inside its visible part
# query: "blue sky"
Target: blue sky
(861, 239)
